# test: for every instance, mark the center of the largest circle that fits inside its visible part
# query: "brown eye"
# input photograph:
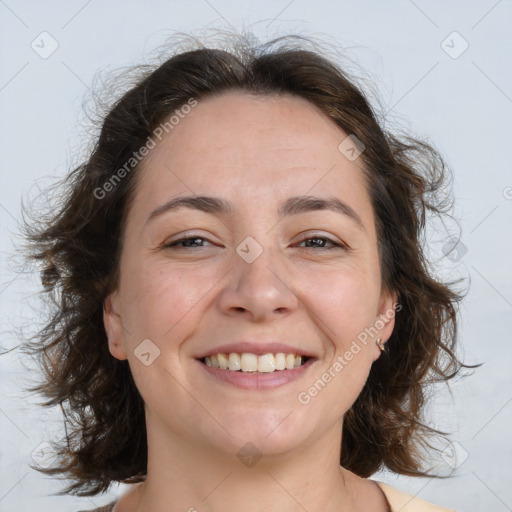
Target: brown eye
(322, 242)
(188, 242)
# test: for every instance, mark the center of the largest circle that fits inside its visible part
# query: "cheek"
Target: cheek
(345, 301)
(344, 304)
(161, 306)
(157, 300)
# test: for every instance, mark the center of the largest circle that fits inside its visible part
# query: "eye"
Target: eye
(188, 243)
(313, 241)
(321, 241)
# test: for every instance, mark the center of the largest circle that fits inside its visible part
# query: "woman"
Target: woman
(245, 319)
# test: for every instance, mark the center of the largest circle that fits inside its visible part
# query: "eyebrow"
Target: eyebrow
(292, 206)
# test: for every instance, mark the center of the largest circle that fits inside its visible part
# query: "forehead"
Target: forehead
(237, 125)
(251, 146)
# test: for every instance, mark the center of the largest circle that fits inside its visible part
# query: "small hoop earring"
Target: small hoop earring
(381, 345)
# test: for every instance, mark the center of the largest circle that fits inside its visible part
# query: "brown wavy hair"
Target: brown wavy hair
(78, 246)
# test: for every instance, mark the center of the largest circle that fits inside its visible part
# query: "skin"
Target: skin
(254, 152)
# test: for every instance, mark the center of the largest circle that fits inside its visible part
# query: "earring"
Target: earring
(381, 345)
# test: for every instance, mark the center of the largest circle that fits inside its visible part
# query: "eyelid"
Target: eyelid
(186, 237)
(189, 234)
(317, 234)
(307, 235)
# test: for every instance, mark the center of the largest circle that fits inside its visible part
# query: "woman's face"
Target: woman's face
(272, 267)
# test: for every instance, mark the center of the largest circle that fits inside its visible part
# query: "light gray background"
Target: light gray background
(463, 105)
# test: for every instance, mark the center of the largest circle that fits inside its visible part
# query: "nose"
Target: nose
(259, 290)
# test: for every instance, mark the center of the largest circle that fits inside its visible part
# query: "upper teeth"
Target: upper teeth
(253, 363)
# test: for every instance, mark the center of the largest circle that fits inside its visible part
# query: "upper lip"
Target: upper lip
(258, 348)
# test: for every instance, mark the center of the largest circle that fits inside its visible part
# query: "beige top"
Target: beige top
(398, 501)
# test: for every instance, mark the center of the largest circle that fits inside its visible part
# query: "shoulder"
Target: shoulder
(105, 508)
(403, 502)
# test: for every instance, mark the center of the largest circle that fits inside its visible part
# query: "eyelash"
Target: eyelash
(174, 244)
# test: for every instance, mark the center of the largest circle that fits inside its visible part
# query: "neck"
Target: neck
(184, 474)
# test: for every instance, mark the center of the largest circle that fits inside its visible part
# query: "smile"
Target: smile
(253, 363)
(256, 372)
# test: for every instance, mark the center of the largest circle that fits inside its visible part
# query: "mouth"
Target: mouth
(247, 362)
(256, 372)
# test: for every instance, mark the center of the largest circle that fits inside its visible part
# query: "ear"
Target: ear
(385, 321)
(114, 326)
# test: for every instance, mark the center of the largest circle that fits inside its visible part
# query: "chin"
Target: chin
(268, 433)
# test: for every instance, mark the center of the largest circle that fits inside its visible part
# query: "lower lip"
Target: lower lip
(258, 380)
